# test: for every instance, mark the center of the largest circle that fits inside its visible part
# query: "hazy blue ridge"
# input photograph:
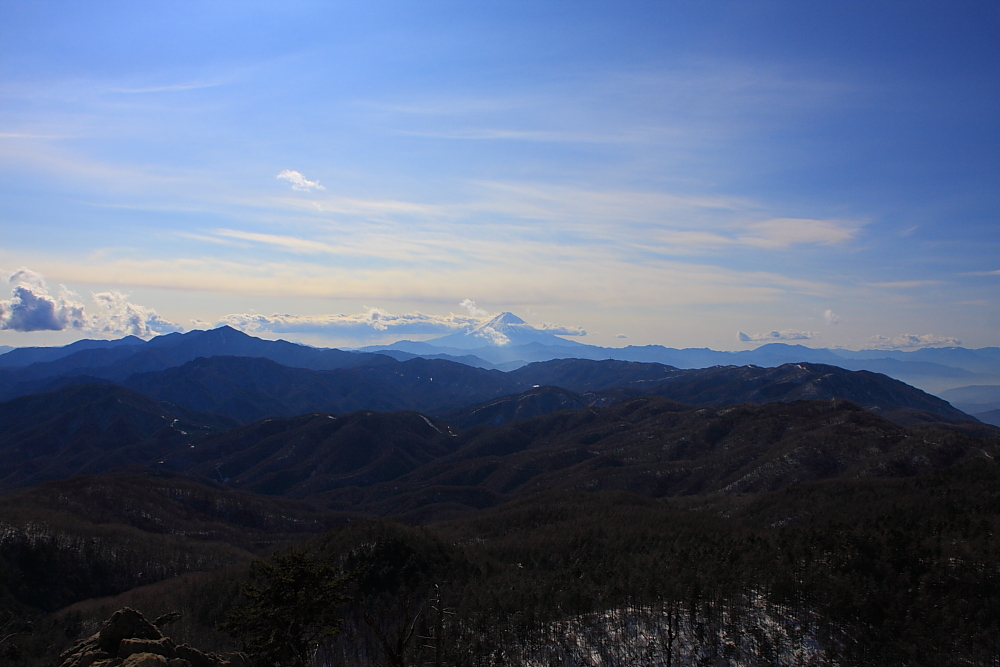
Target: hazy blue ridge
(932, 370)
(24, 356)
(990, 417)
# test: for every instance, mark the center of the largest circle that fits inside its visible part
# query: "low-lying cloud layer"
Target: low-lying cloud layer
(912, 341)
(378, 323)
(777, 336)
(374, 322)
(558, 330)
(32, 307)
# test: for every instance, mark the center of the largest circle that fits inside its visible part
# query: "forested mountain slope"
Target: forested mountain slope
(656, 447)
(91, 428)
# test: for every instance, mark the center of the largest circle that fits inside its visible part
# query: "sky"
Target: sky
(689, 174)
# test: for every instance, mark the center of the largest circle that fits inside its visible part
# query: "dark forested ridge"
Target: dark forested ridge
(251, 388)
(791, 382)
(91, 428)
(655, 447)
(311, 454)
(568, 512)
(532, 403)
(406, 462)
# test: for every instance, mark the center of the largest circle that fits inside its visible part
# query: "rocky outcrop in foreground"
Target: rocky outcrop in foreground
(129, 640)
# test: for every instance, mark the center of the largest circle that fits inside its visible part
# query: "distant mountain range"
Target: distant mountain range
(931, 369)
(247, 388)
(975, 398)
(228, 373)
(504, 343)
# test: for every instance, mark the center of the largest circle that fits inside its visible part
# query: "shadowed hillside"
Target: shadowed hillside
(656, 447)
(310, 454)
(90, 428)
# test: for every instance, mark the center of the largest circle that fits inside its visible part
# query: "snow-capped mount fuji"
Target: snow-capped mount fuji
(504, 330)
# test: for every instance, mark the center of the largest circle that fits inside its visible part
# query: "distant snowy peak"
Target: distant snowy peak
(500, 329)
(505, 320)
(503, 330)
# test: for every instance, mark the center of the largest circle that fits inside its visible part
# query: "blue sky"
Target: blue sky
(345, 173)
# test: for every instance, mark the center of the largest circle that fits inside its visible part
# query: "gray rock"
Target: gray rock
(127, 639)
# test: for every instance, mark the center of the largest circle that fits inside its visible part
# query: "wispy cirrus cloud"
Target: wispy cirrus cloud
(907, 284)
(514, 273)
(680, 222)
(775, 234)
(574, 204)
(29, 135)
(290, 243)
(781, 233)
(542, 136)
(777, 336)
(620, 220)
(166, 88)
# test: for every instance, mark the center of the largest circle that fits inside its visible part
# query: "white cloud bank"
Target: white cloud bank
(374, 321)
(912, 341)
(558, 330)
(377, 323)
(32, 307)
(298, 181)
(777, 336)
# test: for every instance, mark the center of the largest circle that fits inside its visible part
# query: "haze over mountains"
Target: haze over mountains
(507, 342)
